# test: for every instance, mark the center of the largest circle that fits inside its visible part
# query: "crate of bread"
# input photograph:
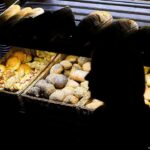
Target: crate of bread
(20, 67)
(63, 83)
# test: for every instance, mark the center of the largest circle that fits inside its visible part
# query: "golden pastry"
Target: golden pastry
(58, 95)
(71, 58)
(87, 66)
(13, 63)
(23, 70)
(66, 64)
(20, 55)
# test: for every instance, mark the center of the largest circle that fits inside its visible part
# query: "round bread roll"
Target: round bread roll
(66, 64)
(83, 60)
(48, 89)
(58, 95)
(71, 58)
(67, 73)
(57, 68)
(68, 91)
(87, 66)
(72, 83)
(2, 69)
(13, 63)
(71, 99)
(20, 55)
(34, 91)
(78, 75)
(35, 12)
(85, 84)
(58, 80)
(23, 70)
(94, 104)
(10, 12)
(80, 92)
(41, 83)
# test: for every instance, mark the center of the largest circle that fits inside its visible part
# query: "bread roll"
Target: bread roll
(58, 80)
(35, 12)
(23, 70)
(20, 55)
(13, 63)
(78, 75)
(58, 95)
(11, 11)
(67, 73)
(71, 99)
(80, 92)
(71, 58)
(83, 60)
(57, 68)
(87, 66)
(68, 91)
(34, 91)
(94, 104)
(41, 83)
(85, 84)
(72, 83)
(66, 64)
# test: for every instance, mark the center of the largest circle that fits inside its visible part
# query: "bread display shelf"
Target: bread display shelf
(49, 103)
(4, 92)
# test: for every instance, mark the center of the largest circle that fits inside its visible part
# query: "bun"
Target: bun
(24, 69)
(20, 55)
(13, 63)
(10, 12)
(87, 66)
(66, 64)
(57, 68)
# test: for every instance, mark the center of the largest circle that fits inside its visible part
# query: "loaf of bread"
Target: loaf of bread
(72, 83)
(58, 80)
(23, 70)
(83, 60)
(10, 12)
(66, 64)
(58, 95)
(94, 104)
(71, 58)
(40, 84)
(57, 68)
(78, 75)
(20, 55)
(68, 91)
(13, 63)
(87, 66)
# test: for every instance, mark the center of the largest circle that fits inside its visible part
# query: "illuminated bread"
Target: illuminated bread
(94, 104)
(13, 63)
(58, 80)
(57, 68)
(2, 69)
(85, 84)
(68, 91)
(83, 60)
(23, 70)
(66, 64)
(34, 91)
(20, 55)
(71, 58)
(87, 66)
(72, 83)
(58, 95)
(10, 12)
(80, 92)
(78, 75)
(35, 12)
(22, 13)
(147, 94)
(71, 99)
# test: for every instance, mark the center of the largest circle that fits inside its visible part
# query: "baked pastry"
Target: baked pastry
(66, 64)
(80, 92)
(94, 104)
(71, 99)
(34, 91)
(58, 80)
(11, 11)
(58, 95)
(2, 69)
(85, 84)
(20, 55)
(78, 75)
(67, 73)
(13, 63)
(35, 12)
(71, 58)
(57, 68)
(23, 70)
(72, 83)
(87, 66)
(41, 83)
(68, 91)
(83, 60)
